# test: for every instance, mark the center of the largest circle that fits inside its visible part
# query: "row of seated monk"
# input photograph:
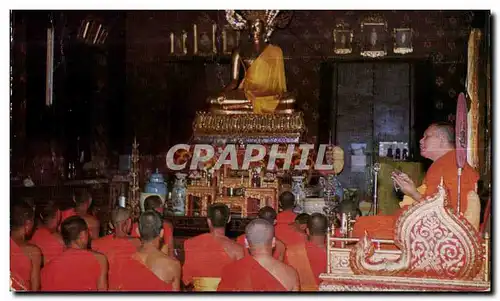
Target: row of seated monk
(278, 252)
(275, 254)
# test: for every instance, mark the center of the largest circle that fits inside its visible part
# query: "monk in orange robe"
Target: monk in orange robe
(25, 258)
(118, 245)
(260, 271)
(287, 203)
(207, 254)
(294, 233)
(154, 202)
(269, 214)
(77, 268)
(148, 269)
(310, 259)
(437, 145)
(46, 236)
(83, 199)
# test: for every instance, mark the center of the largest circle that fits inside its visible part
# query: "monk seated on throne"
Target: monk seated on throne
(261, 87)
(438, 145)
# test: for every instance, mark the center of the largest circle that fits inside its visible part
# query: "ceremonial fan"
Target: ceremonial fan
(461, 139)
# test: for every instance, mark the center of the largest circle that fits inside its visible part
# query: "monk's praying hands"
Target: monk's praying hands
(406, 185)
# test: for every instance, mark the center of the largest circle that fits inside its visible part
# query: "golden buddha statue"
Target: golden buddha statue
(258, 83)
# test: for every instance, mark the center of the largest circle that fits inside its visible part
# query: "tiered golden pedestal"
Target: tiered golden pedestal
(241, 194)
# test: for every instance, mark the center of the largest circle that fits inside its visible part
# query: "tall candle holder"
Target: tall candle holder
(134, 190)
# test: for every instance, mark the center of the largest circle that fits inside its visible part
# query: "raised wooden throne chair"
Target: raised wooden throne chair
(438, 250)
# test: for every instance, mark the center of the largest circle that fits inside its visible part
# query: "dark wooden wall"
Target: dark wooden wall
(132, 88)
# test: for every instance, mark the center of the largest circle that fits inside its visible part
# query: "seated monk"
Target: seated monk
(149, 269)
(310, 259)
(294, 233)
(287, 203)
(207, 254)
(25, 258)
(118, 245)
(77, 268)
(438, 145)
(269, 214)
(83, 200)
(154, 202)
(46, 236)
(260, 271)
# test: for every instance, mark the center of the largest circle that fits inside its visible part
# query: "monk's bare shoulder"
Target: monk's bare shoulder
(101, 258)
(58, 237)
(290, 273)
(32, 250)
(134, 240)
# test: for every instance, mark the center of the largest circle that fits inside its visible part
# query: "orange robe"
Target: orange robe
(168, 232)
(248, 275)
(67, 213)
(135, 276)
(115, 249)
(288, 235)
(286, 217)
(47, 242)
(204, 257)
(241, 240)
(74, 270)
(309, 261)
(382, 226)
(20, 268)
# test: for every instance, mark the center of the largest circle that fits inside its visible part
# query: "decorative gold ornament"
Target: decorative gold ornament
(373, 36)
(342, 39)
(403, 40)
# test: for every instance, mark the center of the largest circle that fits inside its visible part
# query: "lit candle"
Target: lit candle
(171, 43)
(214, 30)
(195, 38)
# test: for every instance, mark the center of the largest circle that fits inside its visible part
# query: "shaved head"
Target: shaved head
(150, 225)
(267, 213)
(218, 214)
(21, 213)
(287, 200)
(259, 233)
(302, 219)
(152, 202)
(81, 196)
(118, 215)
(317, 224)
(71, 228)
(446, 131)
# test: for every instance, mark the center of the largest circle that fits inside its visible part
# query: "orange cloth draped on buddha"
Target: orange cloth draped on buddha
(115, 248)
(168, 232)
(248, 275)
(47, 242)
(204, 257)
(73, 270)
(265, 80)
(382, 226)
(241, 240)
(20, 268)
(309, 261)
(135, 276)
